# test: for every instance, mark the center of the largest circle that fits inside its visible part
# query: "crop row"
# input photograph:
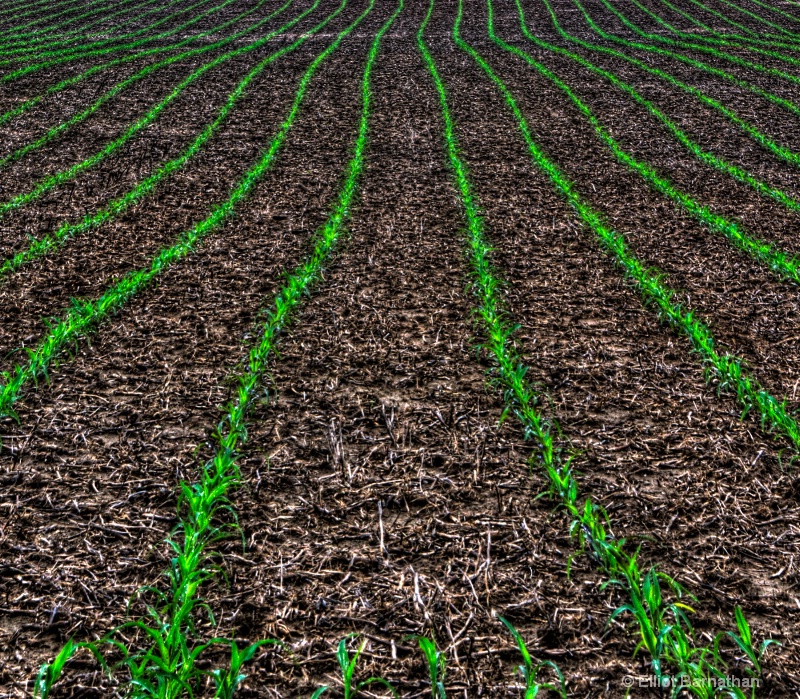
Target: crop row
(708, 45)
(664, 626)
(202, 502)
(84, 316)
(66, 55)
(69, 174)
(29, 42)
(777, 260)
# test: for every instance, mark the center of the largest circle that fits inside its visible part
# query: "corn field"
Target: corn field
(399, 348)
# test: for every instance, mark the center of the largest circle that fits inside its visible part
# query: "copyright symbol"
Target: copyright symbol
(627, 681)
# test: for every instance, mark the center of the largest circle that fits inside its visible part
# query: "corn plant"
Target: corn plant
(168, 668)
(347, 668)
(654, 616)
(347, 665)
(530, 670)
(437, 666)
(744, 641)
(227, 682)
(49, 673)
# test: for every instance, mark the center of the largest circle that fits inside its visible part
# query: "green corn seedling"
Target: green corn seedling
(347, 668)
(530, 670)
(744, 641)
(654, 616)
(436, 662)
(226, 682)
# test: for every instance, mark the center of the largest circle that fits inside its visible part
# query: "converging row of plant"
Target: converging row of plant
(67, 175)
(68, 54)
(90, 9)
(706, 68)
(48, 38)
(707, 46)
(84, 316)
(132, 130)
(29, 103)
(163, 659)
(728, 369)
(32, 50)
(785, 154)
(169, 667)
(52, 241)
(780, 262)
(663, 624)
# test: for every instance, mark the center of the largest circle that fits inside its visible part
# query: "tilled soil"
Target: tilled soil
(383, 496)
(383, 492)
